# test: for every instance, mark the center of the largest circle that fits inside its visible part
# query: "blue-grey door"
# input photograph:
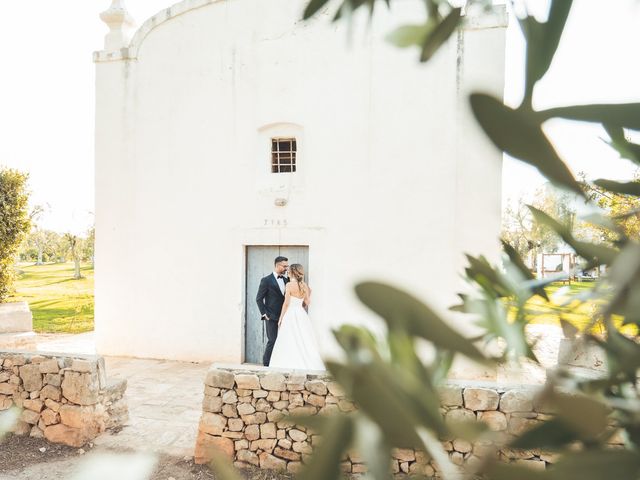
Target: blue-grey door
(259, 264)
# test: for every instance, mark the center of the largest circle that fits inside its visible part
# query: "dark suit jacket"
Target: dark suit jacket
(270, 298)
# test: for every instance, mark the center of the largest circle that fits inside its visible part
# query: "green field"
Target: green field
(59, 303)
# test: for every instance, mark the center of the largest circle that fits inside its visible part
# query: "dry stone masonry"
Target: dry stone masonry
(243, 418)
(64, 399)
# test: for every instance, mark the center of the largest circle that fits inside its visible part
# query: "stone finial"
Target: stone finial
(120, 25)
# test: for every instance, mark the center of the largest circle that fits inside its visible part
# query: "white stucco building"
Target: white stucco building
(196, 118)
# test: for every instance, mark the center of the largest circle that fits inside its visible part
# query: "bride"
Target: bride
(296, 346)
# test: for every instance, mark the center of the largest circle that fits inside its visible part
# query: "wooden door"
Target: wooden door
(260, 264)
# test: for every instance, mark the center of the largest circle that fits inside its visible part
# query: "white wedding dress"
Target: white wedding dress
(296, 346)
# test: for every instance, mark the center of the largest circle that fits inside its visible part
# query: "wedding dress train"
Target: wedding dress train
(296, 346)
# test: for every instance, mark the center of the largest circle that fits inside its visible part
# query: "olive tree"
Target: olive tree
(14, 224)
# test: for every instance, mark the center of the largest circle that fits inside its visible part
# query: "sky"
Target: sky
(47, 94)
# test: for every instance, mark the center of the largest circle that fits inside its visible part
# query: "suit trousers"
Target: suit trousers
(272, 334)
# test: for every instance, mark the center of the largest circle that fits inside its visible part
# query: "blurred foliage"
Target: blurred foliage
(14, 224)
(395, 387)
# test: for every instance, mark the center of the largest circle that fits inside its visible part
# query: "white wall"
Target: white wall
(394, 181)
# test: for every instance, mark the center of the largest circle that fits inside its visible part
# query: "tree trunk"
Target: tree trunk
(39, 261)
(77, 275)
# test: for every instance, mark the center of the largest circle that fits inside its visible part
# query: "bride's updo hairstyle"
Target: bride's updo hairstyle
(297, 272)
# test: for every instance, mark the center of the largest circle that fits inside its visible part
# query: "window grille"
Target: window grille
(283, 155)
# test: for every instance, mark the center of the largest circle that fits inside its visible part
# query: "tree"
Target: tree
(618, 205)
(14, 224)
(88, 251)
(75, 248)
(528, 237)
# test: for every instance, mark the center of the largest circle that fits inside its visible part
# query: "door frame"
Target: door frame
(245, 276)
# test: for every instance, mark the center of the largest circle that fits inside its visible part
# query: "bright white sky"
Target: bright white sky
(47, 94)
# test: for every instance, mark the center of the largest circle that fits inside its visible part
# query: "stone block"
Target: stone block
(229, 397)
(450, 395)
(49, 417)
(35, 405)
(49, 366)
(297, 435)
(83, 417)
(496, 421)
(30, 417)
(212, 404)
(207, 446)
(316, 400)
(212, 423)
(459, 414)
(270, 462)
(302, 447)
(316, 386)
(273, 381)
(248, 457)
(287, 454)
(80, 388)
(31, 377)
(53, 379)
(219, 378)
(73, 437)
(268, 430)
(229, 411)
(264, 444)
(252, 432)
(15, 317)
(51, 392)
(480, 399)
(247, 381)
(235, 424)
(516, 401)
(403, 454)
(5, 402)
(246, 409)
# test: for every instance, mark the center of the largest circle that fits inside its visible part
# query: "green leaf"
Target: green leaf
(222, 468)
(440, 34)
(373, 447)
(313, 7)
(325, 462)
(568, 329)
(505, 471)
(551, 434)
(377, 392)
(619, 141)
(598, 464)
(585, 415)
(481, 271)
(595, 253)
(624, 115)
(519, 133)
(542, 43)
(408, 35)
(625, 188)
(404, 312)
(517, 261)
(553, 28)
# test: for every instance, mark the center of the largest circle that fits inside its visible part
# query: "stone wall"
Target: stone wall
(243, 413)
(65, 399)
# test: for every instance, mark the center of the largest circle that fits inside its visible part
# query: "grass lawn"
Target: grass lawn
(59, 303)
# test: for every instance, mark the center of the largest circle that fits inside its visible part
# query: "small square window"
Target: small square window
(283, 155)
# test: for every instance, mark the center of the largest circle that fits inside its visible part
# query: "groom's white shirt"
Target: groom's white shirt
(280, 282)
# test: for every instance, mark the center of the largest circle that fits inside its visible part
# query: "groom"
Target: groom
(270, 299)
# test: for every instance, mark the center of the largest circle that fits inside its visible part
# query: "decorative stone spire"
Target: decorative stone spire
(120, 25)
